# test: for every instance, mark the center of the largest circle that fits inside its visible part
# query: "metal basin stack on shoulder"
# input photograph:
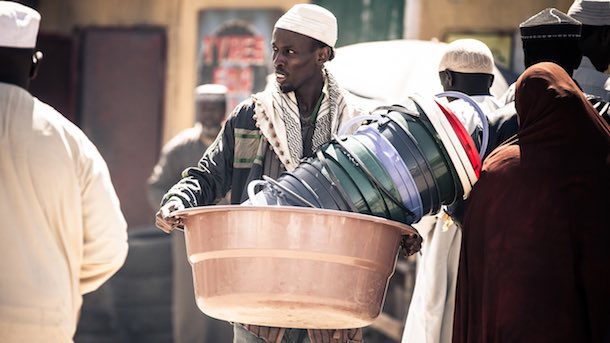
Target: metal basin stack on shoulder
(405, 162)
(316, 247)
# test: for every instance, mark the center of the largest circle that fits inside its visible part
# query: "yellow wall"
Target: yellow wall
(439, 16)
(180, 19)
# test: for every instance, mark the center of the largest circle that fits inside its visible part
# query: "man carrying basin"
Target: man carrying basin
(270, 133)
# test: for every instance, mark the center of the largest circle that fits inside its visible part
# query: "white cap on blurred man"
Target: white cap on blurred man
(312, 21)
(467, 56)
(211, 91)
(591, 12)
(18, 25)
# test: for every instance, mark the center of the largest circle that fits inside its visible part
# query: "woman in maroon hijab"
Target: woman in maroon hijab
(535, 260)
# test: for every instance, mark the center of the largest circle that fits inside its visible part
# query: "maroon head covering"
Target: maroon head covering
(535, 260)
(554, 114)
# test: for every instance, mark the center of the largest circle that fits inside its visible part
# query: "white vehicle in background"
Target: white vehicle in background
(386, 72)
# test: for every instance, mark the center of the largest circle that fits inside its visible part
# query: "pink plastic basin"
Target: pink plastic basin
(291, 267)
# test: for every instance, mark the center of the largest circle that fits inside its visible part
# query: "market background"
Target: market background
(124, 71)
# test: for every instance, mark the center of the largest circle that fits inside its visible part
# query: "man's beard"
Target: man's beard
(286, 88)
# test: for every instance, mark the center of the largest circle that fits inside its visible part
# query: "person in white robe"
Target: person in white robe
(466, 67)
(63, 231)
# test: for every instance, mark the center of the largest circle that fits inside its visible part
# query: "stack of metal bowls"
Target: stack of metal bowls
(404, 162)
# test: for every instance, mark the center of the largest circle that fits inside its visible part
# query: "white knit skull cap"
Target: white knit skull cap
(467, 56)
(18, 25)
(591, 12)
(211, 91)
(311, 21)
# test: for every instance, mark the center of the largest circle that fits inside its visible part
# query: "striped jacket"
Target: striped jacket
(230, 163)
(236, 156)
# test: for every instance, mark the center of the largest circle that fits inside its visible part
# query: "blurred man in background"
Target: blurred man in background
(548, 36)
(187, 147)
(595, 46)
(189, 324)
(467, 67)
(64, 234)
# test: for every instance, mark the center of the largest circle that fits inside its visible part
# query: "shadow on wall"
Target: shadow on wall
(134, 306)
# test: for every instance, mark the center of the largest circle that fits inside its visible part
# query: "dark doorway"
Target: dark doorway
(120, 107)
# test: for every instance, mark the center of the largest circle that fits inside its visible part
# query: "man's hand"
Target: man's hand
(410, 244)
(165, 220)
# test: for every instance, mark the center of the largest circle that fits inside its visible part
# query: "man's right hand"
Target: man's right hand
(165, 220)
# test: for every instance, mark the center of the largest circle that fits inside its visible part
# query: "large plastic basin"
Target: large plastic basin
(291, 267)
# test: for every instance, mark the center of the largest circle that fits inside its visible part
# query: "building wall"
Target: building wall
(179, 17)
(436, 19)
(439, 16)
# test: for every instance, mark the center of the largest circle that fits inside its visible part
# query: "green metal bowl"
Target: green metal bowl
(371, 195)
(345, 180)
(379, 174)
(433, 149)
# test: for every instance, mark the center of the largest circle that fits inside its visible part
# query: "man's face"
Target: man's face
(564, 52)
(445, 76)
(211, 112)
(596, 45)
(295, 59)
